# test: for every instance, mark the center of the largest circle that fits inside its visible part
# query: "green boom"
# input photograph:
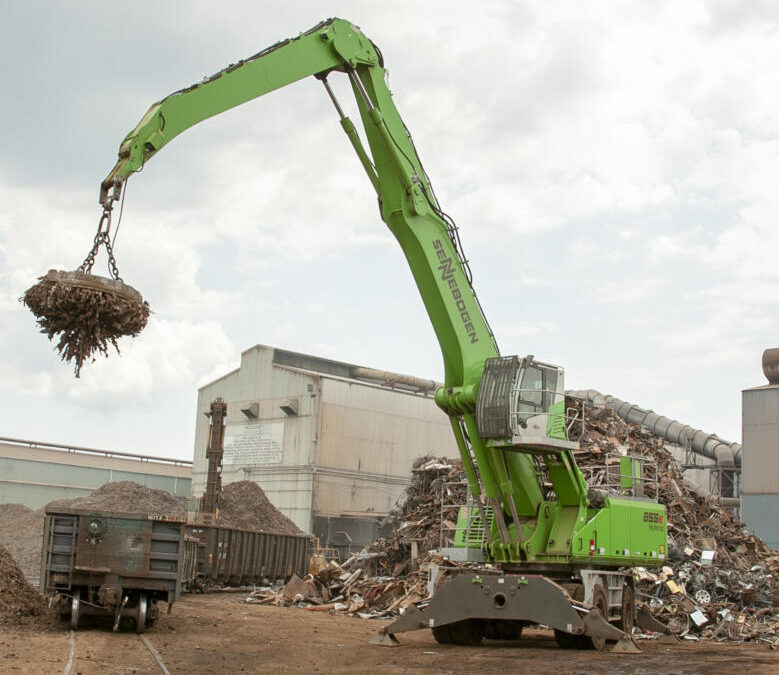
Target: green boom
(554, 531)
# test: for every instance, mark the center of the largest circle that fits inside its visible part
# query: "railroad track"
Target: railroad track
(99, 651)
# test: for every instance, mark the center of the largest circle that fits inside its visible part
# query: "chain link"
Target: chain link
(102, 238)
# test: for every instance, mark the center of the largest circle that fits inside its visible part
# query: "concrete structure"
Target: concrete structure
(760, 470)
(330, 443)
(34, 473)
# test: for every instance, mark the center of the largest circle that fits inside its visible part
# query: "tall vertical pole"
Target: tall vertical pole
(214, 453)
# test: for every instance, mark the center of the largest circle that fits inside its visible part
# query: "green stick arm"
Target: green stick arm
(332, 45)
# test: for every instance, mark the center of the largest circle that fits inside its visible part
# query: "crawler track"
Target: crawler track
(99, 651)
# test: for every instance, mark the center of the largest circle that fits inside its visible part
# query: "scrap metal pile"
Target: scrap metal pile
(353, 588)
(720, 582)
(129, 497)
(21, 606)
(245, 506)
(86, 313)
(431, 504)
(21, 533)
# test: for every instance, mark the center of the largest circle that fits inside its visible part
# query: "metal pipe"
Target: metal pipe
(700, 491)
(385, 376)
(725, 453)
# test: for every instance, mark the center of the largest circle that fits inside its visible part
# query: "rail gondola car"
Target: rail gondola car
(108, 563)
(120, 565)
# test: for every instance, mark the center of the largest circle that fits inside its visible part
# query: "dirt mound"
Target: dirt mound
(21, 606)
(243, 505)
(21, 532)
(129, 497)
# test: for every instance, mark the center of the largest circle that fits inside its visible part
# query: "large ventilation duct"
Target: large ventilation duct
(727, 455)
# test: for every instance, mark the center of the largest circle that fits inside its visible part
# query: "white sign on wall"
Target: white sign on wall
(259, 443)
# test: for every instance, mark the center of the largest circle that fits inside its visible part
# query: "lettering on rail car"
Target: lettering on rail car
(447, 275)
(166, 518)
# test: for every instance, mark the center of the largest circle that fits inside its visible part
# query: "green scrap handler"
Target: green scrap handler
(559, 554)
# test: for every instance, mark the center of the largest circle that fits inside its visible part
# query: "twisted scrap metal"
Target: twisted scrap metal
(88, 313)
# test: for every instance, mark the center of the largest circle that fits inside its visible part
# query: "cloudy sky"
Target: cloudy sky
(611, 166)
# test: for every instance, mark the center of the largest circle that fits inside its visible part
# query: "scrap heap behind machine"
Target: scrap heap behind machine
(558, 556)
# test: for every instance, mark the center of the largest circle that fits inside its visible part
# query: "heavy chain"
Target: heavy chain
(102, 238)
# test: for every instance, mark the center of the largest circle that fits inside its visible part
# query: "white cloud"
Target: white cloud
(169, 354)
(510, 332)
(38, 385)
(618, 160)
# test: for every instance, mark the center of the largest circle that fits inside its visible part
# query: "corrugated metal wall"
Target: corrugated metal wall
(33, 475)
(760, 513)
(760, 417)
(370, 438)
(760, 463)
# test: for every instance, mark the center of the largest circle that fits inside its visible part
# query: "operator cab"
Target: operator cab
(521, 402)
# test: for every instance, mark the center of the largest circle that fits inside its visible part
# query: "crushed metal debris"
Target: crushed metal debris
(21, 605)
(245, 506)
(720, 582)
(85, 312)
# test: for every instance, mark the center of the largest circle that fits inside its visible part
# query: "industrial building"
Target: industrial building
(34, 473)
(331, 444)
(760, 482)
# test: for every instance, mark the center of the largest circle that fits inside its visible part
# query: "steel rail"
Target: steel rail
(69, 665)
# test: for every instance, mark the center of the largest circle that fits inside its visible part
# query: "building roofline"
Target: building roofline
(308, 363)
(75, 449)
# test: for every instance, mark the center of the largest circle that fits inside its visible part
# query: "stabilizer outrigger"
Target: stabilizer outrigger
(473, 606)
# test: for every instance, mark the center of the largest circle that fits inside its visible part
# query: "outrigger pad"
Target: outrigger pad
(384, 639)
(646, 621)
(597, 627)
(412, 619)
(627, 645)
